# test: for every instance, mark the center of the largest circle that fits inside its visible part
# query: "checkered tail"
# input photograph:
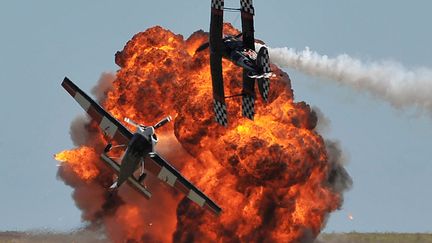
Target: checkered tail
(247, 6)
(248, 106)
(217, 4)
(220, 111)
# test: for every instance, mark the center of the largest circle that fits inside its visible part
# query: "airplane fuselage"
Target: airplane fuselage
(141, 144)
(239, 55)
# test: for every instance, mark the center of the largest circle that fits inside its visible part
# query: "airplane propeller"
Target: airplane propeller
(131, 122)
(156, 126)
(162, 122)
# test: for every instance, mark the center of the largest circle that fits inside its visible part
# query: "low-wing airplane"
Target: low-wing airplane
(242, 53)
(140, 152)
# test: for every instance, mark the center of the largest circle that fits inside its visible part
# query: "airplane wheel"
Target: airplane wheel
(108, 148)
(142, 177)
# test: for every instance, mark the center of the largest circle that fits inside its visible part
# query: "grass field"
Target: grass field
(28, 237)
(91, 237)
(375, 238)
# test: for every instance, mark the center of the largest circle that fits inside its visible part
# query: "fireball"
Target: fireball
(270, 175)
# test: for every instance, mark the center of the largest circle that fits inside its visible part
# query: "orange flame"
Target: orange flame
(76, 160)
(270, 175)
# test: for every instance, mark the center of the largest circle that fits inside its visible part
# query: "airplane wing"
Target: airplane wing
(248, 101)
(168, 174)
(216, 48)
(263, 62)
(108, 124)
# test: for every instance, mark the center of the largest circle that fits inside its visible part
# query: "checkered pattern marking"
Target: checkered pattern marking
(248, 106)
(217, 4)
(247, 6)
(266, 88)
(166, 176)
(85, 104)
(196, 198)
(220, 111)
(108, 124)
(108, 127)
(156, 165)
(265, 61)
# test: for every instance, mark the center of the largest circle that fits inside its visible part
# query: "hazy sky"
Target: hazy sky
(42, 41)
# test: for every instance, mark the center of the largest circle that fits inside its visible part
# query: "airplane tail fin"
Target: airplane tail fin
(263, 63)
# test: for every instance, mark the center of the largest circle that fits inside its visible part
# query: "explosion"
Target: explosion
(272, 177)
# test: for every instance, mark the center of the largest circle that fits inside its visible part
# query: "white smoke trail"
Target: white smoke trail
(387, 80)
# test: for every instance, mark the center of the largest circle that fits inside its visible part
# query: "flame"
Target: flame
(270, 175)
(78, 160)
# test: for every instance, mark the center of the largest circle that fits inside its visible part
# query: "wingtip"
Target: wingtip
(66, 79)
(218, 212)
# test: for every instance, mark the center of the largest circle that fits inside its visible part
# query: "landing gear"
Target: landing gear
(114, 186)
(143, 174)
(107, 148)
(142, 177)
(110, 146)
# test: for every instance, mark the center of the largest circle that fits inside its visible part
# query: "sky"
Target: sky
(388, 150)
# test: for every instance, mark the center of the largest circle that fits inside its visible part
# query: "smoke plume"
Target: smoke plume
(387, 80)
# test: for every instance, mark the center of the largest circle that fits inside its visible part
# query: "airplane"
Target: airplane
(256, 66)
(139, 152)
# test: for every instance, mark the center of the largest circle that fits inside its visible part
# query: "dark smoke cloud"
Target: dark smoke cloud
(103, 85)
(339, 179)
(323, 124)
(78, 131)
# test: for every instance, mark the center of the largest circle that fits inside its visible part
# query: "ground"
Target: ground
(95, 237)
